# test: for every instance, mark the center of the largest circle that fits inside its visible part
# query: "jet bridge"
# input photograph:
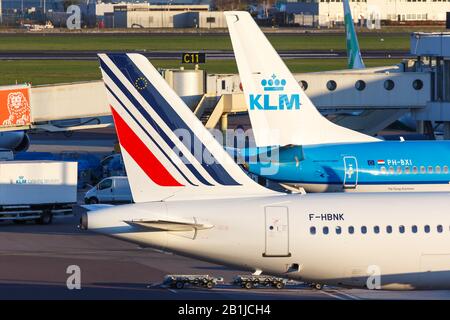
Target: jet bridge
(433, 55)
(365, 100)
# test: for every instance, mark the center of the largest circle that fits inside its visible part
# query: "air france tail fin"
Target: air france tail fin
(355, 60)
(168, 153)
(280, 111)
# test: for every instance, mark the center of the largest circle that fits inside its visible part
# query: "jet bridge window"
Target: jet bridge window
(312, 230)
(360, 85)
(418, 84)
(331, 85)
(303, 84)
(389, 85)
(426, 229)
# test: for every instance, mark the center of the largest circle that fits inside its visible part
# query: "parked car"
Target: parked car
(110, 190)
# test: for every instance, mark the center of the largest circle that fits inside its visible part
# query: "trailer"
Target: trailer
(253, 281)
(179, 281)
(37, 190)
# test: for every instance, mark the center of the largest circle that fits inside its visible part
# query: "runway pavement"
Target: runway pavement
(210, 55)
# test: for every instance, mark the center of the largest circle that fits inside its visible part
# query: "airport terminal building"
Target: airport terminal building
(327, 13)
(145, 15)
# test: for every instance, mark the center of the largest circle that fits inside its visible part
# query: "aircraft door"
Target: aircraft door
(277, 232)
(350, 172)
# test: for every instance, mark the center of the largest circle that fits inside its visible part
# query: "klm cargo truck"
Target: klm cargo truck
(37, 190)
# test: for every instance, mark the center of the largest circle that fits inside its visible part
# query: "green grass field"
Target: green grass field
(75, 42)
(55, 71)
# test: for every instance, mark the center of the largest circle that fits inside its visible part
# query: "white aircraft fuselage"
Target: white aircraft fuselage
(275, 235)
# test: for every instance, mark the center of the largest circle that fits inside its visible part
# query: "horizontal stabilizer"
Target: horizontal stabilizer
(167, 225)
(96, 207)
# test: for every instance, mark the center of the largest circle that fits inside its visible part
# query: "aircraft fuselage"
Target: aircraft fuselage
(387, 166)
(329, 239)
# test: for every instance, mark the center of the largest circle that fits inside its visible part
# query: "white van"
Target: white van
(110, 190)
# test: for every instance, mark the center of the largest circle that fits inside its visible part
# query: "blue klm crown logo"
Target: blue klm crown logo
(273, 84)
(271, 99)
(21, 180)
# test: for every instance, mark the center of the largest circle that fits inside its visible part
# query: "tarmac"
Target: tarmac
(34, 260)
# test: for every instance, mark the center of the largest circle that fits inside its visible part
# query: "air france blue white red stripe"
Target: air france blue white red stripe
(166, 147)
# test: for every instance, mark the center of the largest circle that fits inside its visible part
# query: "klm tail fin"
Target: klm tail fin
(280, 111)
(168, 153)
(355, 60)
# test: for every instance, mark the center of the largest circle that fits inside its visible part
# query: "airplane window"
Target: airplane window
(363, 229)
(427, 229)
(401, 229)
(415, 170)
(383, 169)
(414, 229)
(351, 230)
(445, 169)
(430, 169)
(422, 169)
(391, 170)
(407, 170)
(399, 170)
(389, 229)
(438, 169)
(440, 228)
(312, 230)
(325, 230)
(338, 230)
(376, 229)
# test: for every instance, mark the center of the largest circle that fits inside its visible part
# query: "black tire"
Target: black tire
(93, 200)
(179, 285)
(46, 218)
(248, 285)
(279, 285)
(209, 285)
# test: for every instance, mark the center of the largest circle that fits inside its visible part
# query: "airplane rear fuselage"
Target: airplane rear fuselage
(330, 239)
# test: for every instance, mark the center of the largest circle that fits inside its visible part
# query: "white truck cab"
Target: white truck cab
(110, 190)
